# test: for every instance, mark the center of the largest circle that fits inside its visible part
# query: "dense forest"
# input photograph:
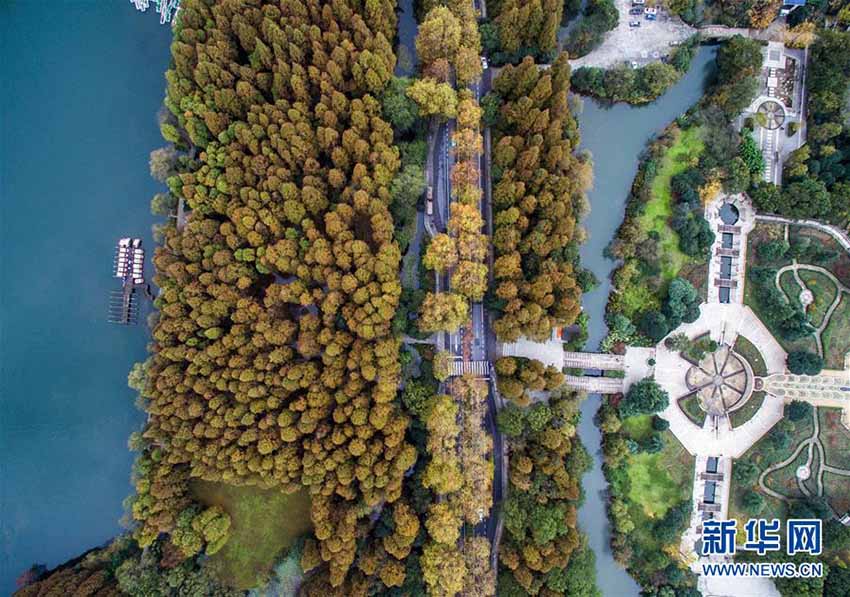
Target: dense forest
(538, 196)
(521, 28)
(273, 359)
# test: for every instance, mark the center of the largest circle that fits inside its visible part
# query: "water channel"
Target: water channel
(616, 135)
(81, 85)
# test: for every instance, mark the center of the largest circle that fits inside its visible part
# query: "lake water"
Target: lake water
(616, 135)
(82, 82)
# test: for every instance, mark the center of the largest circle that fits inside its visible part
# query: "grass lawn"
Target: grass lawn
(264, 524)
(785, 479)
(791, 289)
(841, 266)
(835, 437)
(824, 291)
(659, 208)
(748, 350)
(836, 336)
(837, 491)
(690, 406)
(746, 412)
(662, 480)
(638, 427)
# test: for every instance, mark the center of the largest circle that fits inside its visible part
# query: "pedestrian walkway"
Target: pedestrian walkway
(731, 217)
(594, 360)
(595, 385)
(476, 368)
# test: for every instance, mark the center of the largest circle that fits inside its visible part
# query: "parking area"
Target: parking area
(640, 44)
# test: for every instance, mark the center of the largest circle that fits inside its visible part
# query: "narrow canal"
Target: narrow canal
(81, 85)
(616, 135)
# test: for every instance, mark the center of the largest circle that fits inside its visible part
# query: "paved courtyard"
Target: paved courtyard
(644, 44)
(780, 102)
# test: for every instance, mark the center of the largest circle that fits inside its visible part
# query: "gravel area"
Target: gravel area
(642, 45)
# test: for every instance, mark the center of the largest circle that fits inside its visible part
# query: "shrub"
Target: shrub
(644, 397)
(803, 362)
(752, 502)
(798, 410)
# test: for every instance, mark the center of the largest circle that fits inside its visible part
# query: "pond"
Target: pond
(82, 84)
(616, 135)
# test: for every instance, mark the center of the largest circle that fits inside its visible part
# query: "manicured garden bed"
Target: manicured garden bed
(690, 406)
(750, 408)
(837, 490)
(835, 437)
(751, 354)
(836, 336)
(791, 289)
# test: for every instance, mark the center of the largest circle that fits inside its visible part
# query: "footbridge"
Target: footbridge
(594, 360)
(595, 385)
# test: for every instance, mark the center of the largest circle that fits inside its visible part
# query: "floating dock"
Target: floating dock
(129, 267)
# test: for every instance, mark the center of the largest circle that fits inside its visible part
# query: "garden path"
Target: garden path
(795, 268)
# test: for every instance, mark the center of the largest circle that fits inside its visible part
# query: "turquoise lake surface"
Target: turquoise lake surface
(82, 82)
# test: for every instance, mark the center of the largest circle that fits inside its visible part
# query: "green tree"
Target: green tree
(799, 410)
(802, 362)
(401, 111)
(752, 502)
(644, 397)
(745, 472)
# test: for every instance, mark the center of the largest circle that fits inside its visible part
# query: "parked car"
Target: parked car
(635, 11)
(638, 2)
(650, 17)
(634, 24)
(484, 62)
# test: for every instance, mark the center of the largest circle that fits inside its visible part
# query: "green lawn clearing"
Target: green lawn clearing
(265, 523)
(638, 427)
(662, 480)
(836, 336)
(659, 208)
